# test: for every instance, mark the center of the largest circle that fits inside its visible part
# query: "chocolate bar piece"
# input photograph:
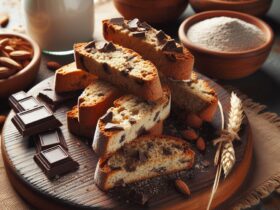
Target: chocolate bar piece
(54, 100)
(55, 161)
(34, 121)
(21, 102)
(49, 139)
(13, 99)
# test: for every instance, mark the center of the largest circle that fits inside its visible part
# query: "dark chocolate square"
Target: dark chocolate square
(49, 139)
(55, 161)
(35, 120)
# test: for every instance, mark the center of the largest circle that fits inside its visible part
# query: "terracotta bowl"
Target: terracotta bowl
(227, 65)
(152, 11)
(252, 7)
(24, 77)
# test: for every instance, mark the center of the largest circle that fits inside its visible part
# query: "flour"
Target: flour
(226, 34)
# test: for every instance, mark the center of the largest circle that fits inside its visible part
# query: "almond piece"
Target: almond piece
(182, 187)
(200, 144)
(52, 65)
(2, 119)
(20, 55)
(4, 20)
(8, 62)
(189, 134)
(193, 120)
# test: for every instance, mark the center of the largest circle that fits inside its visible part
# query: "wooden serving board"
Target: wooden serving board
(77, 189)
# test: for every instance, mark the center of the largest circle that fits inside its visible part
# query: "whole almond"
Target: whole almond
(2, 119)
(189, 134)
(4, 42)
(52, 65)
(8, 62)
(9, 49)
(4, 53)
(182, 187)
(5, 72)
(20, 55)
(200, 144)
(4, 20)
(193, 120)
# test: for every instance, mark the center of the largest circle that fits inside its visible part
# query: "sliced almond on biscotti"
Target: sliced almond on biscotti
(143, 158)
(170, 57)
(121, 67)
(129, 118)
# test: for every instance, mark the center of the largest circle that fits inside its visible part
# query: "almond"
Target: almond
(8, 49)
(4, 53)
(3, 43)
(189, 134)
(20, 55)
(2, 119)
(4, 20)
(52, 65)
(182, 187)
(5, 72)
(200, 144)
(8, 62)
(193, 120)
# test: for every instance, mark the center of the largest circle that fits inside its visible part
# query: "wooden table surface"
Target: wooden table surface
(262, 86)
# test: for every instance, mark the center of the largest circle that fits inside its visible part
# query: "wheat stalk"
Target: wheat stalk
(233, 127)
(225, 154)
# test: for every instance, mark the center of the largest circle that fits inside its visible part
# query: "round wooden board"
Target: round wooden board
(77, 189)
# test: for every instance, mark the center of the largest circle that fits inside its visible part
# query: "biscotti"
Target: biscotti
(129, 118)
(143, 158)
(70, 78)
(170, 57)
(95, 100)
(121, 67)
(193, 96)
(75, 127)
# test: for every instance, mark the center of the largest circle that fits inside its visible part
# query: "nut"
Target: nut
(193, 120)
(4, 20)
(200, 144)
(189, 134)
(8, 62)
(3, 43)
(9, 49)
(20, 55)
(52, 65)
(182, 187)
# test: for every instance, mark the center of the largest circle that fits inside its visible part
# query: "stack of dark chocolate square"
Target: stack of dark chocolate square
(34, 119)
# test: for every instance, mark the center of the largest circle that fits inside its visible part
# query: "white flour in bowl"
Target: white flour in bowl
(226, 34)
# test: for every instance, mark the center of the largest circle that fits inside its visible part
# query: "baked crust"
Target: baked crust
(172, 64)
(104, 172)
(145, 84)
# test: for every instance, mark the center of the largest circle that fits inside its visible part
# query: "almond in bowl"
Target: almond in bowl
(19, 62)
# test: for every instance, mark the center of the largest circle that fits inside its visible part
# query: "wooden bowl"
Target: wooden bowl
(252, 7)
(227, 65)
(152, 11)
(24, 77)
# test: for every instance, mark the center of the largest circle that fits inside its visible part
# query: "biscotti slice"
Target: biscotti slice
(70, 78)
(120, 66)
(129, 118)
(75, 127)
(170, 57)
(143, 158)
(193, 96)
(95, 100)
